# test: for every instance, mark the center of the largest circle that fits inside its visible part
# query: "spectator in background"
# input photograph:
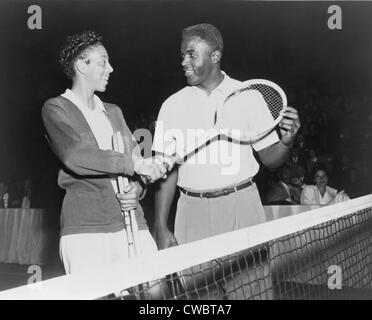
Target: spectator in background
(298, 176)
(282, 192)
(21, 194)
(4, 195)
(320, 193)
(16, 191)
(297, 182)
(26, 198)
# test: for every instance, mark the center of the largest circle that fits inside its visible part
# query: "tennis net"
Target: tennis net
(325, 253)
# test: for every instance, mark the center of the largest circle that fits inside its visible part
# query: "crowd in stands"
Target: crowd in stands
(334, 141)
(30, 193)
(16, 195)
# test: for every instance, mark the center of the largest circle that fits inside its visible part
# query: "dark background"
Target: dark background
(288, 43)
(327, 75)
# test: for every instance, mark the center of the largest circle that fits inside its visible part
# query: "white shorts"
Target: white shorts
(84, 251)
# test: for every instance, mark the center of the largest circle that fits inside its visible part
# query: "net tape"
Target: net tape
(288, 258)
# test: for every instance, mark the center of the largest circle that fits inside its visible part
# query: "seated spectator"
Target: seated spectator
(282, 192)
(23, 195)
(297, 182)
(4, 195)
(320, 192)
(26, 199)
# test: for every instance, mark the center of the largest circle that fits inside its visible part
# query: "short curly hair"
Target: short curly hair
(75, 47)
(206, 32)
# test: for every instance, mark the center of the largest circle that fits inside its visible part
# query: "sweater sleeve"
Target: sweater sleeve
(78, 156)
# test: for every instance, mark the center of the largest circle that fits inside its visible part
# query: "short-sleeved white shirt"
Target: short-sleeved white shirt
(191, 112)
(311, 195)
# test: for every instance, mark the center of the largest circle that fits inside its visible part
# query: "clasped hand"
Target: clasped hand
(129, 199)
(152, 169)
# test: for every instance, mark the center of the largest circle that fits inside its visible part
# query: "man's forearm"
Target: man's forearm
(275, 155)
(164, 196)
(142, 188)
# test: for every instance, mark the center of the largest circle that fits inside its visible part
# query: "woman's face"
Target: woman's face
(98, 68)
(321, 178)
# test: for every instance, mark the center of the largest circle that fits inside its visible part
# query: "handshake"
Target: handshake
(153, 169)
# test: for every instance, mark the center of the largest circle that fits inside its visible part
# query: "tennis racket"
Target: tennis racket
(129, 217)
(268, 99)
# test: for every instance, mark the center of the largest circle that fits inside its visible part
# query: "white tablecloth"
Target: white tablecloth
(281, 211)
(23, 236)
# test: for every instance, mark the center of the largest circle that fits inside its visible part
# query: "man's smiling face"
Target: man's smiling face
(196, 61)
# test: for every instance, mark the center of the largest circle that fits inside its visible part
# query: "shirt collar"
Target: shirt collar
(68, 94)
(225, 87)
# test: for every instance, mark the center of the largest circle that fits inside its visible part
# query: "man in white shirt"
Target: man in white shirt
(218, 193)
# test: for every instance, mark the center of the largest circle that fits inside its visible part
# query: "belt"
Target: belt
(218, 193)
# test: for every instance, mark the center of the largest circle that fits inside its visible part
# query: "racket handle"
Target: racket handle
(131, 225)
(121, 184)
(135, 232)
(130, 238)
(130, 222)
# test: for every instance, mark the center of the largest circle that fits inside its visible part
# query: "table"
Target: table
(281, 211)
(23, 236)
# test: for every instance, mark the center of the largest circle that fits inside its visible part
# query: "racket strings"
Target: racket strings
(272, 97)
